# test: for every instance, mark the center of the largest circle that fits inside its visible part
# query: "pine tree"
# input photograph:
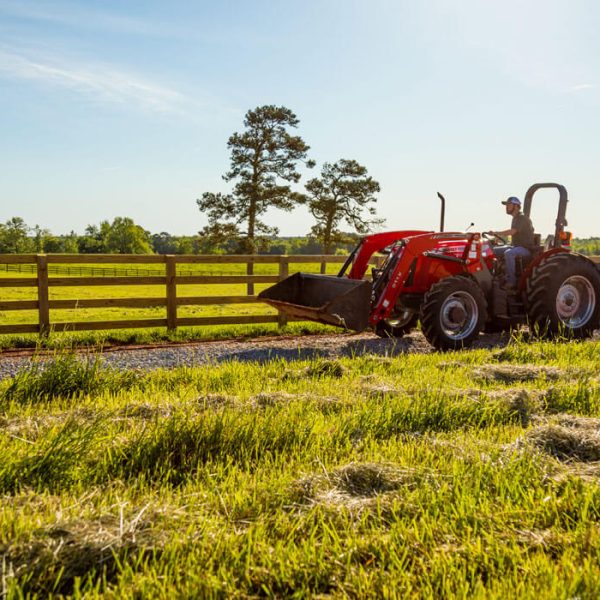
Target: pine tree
(264, 159)
(342, 194)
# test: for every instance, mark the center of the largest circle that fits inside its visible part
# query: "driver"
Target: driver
(521, 232)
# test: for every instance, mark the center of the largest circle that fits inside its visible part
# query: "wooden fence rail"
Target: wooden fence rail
(39, 277)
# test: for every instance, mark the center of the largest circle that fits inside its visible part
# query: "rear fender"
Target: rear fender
(522, 283)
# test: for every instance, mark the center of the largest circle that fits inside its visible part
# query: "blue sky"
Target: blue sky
(124, 108)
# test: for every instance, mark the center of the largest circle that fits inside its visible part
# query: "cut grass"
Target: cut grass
(366, 477)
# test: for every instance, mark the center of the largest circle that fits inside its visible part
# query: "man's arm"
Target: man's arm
(505, 232)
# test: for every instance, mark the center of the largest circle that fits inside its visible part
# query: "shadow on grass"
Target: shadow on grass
(349, 348)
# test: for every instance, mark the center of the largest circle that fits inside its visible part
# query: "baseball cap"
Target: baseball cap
(512, 200)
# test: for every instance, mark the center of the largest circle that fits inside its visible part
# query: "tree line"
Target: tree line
(123, 236)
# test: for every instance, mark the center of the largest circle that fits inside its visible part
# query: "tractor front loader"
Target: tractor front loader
(453, 283)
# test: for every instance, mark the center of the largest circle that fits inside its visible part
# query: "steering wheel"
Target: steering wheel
(491, 236)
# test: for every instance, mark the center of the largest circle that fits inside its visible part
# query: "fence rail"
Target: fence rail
(93, 271)
(40, 267)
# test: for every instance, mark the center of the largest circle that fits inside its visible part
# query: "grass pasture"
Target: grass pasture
(134, 335)
(441, 475)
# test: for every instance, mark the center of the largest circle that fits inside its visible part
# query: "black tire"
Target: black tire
(397, 325)
(453, 313)
(563, 297)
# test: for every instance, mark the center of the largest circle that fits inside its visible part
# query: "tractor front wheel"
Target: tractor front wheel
(564, 296)
(453, 313)
(397, 325)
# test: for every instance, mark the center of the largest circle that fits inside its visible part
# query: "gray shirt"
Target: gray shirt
(524, 235)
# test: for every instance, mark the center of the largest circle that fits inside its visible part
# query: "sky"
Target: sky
(111, 108)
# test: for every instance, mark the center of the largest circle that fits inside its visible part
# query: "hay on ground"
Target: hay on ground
(525, 403)
(569, 438)
(214, 401)
(145, 411)
(318, 368)
(59, 556)
(268, 399)
(515, 373)
(378, 392)
(358, 486)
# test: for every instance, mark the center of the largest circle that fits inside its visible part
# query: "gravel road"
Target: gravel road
(258, 349)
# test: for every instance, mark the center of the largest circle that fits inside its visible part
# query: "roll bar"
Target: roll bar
(561, 220)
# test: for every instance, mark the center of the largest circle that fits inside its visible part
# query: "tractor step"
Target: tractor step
(516, 308)
(507, 304)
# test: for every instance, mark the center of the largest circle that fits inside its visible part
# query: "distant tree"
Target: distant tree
(14, 237)
(220, 238)
(589, 246)
(40, 238)
(263, 162)
(343, 193)
(185, 245)
(58, 244)
(125, 237)
(69, 243)
(164, 243)
(94, 239)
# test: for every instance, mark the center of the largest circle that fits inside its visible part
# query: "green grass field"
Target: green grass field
(471, 474)
(151, 335)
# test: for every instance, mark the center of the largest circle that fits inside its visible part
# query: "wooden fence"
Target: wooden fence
(41, 268)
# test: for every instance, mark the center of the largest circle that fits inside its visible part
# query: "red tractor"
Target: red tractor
(452, 283)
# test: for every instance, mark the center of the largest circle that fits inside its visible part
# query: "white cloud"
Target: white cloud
(583, 86)
(98, 81)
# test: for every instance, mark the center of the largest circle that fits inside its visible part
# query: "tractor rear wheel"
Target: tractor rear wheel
(564, 296)
(453, 313)
(397, 325)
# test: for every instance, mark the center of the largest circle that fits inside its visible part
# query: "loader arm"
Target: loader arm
(371, 244)
(395, 273)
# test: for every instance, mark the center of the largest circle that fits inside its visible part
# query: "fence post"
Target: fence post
(284, 270)
(42, 292)
(250, 271)
(171, 273)
(323, 267)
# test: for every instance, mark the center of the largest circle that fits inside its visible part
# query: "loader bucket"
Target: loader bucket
(326, 299)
